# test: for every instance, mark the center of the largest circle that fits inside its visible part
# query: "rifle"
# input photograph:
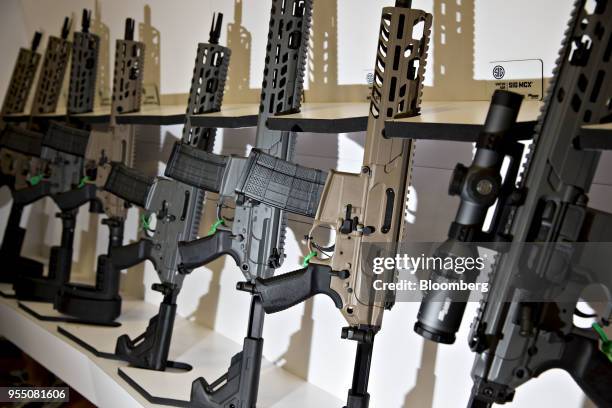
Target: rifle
(524, 325)
(101, 303)
(175, 202)
(63, 151)
(355, 199)
(255, 239)
(16, 164)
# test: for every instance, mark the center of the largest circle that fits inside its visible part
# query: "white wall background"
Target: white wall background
(406, 371)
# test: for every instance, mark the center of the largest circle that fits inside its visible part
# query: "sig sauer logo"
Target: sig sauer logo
(519, 84)
(498, 72)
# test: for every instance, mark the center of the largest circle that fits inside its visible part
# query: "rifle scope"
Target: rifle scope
(478, 187)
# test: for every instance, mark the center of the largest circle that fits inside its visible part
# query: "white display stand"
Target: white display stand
(101, 381)
(6, 290)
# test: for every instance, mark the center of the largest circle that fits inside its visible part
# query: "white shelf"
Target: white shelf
(457, 121)
(98, 380)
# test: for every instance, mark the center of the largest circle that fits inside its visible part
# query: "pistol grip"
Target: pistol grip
(589, 367)
(284, 291)
(31, 194)
(73, 199)
(204, 250)
(129, 255)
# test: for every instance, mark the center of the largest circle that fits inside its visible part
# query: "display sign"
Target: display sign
(520, 76)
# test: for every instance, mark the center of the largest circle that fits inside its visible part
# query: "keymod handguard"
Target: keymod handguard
(128, 184)
(22, 78)
(281, 184)
(207, 87)
(83, 68)
(128, 74)
(52, 72)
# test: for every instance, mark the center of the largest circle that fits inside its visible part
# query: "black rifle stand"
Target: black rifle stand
(238, 387)
(150, 349)
(100, 303)
(13, 264)
(44, 289)
(358, 396)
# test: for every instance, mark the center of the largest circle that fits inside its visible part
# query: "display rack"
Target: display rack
(100, 115)
(102, 381)
(439, 120)
(324, 118)
(154, 115)
(459, 121)
(598, 137)
(231, 116)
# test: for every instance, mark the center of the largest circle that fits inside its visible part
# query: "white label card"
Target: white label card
(521, 76)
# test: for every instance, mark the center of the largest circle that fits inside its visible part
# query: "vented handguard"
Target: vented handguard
(127, 81)
(66, 139)
(128, 184)
(51, 76)
(83, 72)
(196, 167)
(206, 93)
(21, 140)
(281, 184)
(21, 81)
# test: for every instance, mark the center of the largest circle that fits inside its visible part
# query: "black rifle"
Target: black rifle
(25, 168)
(255, 239)
(525, 322)
(63, 152)
(102, 302)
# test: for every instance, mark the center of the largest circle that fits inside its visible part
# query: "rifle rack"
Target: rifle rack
(324, 118)
(110, 382)
(595, 137)
(441, 120)
(457, 121)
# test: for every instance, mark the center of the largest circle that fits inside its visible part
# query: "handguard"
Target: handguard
(52, 73)
(22, 78)
(85, 49)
